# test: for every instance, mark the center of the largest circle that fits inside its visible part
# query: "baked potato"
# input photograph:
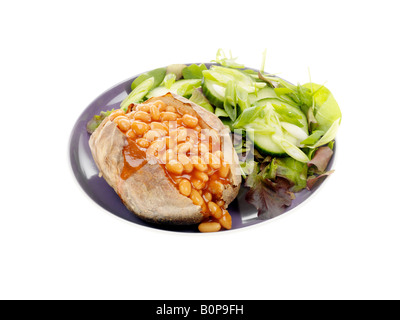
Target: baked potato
(170, 161)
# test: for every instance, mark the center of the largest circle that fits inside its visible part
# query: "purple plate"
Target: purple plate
(85, 170)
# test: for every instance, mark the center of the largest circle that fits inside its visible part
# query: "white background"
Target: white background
(56, 243)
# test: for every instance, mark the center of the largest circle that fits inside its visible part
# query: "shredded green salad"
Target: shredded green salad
(284, 132)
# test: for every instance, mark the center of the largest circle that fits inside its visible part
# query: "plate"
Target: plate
(85, 170)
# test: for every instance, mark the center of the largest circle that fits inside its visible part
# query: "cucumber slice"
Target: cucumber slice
(267, 144)
(214, 93)
(287, 112)
(279, 130)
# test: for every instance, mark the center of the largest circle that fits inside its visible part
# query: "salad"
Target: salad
(284, 134)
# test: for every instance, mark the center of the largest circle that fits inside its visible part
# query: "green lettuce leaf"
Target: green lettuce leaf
(286, 115)
(313, 138)
(221, 113)
(194, 71)
(327, 110)
(94, 123)
(288, 168)
(248, 116)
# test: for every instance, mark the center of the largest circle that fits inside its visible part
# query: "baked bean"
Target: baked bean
(152, 135)
(187, 164)
(174, 167)
(169, 116)
(131, 116)
(173, 134)
(140, 128)
(213, 161)
(143, 107)
(226, 220)
(210, 171)
(182, 134)
(198, 184)
(155, 113)
(196, 198)
(143, 116)
(160, 105)
(171, 109)
(158, 145)
(199, 164)
(201, 176)
(171, 125)
(123, 117)
(190, 121)
(171, 143)
(216, 187)
(143, 143)
(177, 180)
(184, 147)
(159, 126)
(219, 154)
(209, 227)
(208, 196)
(155, 149)
(116, 114)
(215, 210)
(203, 149)
(185, 187)
(123, 123)
(224, 171)
(195, 151)
(131, 134)
(162, 132)
(192, 136)
(168, 156)
(221, 203)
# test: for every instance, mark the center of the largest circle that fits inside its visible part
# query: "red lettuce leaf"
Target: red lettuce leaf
(321, 158)
(271, 198)
(311, 181)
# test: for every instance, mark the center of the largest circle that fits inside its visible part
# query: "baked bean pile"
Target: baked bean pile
(191, 156)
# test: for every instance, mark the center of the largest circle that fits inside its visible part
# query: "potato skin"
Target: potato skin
(148, 192)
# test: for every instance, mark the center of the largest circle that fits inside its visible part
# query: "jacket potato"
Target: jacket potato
(170, 161)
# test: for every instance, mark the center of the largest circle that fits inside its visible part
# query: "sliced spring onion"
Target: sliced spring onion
(293, 151)
(329, 135)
